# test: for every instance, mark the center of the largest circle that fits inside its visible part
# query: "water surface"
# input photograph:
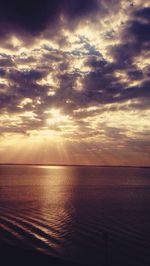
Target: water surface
(63, 211)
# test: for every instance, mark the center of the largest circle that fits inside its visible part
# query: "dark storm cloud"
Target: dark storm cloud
(33, 16)
(9, 102)
(140, 31)
(135, 38)
(22, 84)
(124, 53)
(31, 90)
(26, 75)
(136, 92)
(2, 72)
(135, 74)
(22, 60)
(143, 13)
(147, 71)
(6, 63)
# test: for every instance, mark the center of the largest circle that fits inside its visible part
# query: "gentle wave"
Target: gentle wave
(66, 215)
(39, 233)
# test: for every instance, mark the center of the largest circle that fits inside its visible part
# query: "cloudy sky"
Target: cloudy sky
(75, 81)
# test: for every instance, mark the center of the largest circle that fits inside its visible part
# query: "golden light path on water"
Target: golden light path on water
(51, 192)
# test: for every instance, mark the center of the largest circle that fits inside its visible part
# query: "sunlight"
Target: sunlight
(56, 117)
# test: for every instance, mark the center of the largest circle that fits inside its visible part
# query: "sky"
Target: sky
(75, 82)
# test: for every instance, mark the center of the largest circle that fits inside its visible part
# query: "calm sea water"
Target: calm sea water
(63, 211)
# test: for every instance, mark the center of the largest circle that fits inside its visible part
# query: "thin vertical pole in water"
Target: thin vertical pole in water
(105, 238)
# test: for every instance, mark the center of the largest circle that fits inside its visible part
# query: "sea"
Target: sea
(84, 214)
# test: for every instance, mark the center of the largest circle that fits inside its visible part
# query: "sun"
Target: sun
(56, 117)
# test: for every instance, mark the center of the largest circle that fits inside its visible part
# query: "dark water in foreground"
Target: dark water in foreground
(63, 211)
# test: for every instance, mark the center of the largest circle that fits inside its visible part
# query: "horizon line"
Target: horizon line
(77, 165)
